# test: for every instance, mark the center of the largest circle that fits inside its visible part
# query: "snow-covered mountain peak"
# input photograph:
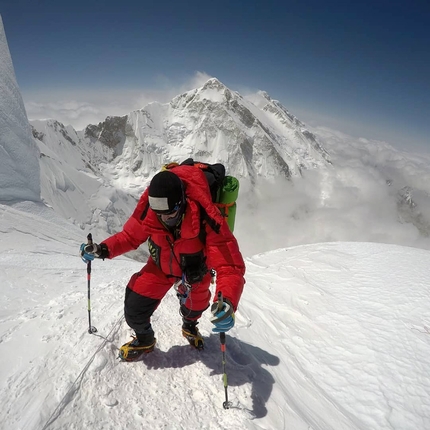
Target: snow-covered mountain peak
(213, 91)
(213, 85)
(264, 95)
(211, 123)
(111, 132)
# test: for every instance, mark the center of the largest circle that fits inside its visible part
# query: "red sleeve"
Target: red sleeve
(224, 256)
(133, 233)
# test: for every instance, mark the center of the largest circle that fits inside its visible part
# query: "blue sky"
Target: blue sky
(359, 67)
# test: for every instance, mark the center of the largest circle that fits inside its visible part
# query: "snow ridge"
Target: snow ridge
(319, 340)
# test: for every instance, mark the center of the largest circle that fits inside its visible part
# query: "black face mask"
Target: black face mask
(176, 220)
(172, 222)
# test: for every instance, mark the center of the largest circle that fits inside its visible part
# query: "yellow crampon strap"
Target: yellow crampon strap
(126, 348)
(123, 352)
(195, 339)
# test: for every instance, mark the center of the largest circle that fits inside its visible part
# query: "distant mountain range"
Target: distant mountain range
(254, 137)
(95, 176)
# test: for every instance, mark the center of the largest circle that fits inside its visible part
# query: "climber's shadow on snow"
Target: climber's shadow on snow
(244, 365)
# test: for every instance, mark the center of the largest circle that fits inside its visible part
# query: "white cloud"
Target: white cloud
(82, 107)
(359, 199)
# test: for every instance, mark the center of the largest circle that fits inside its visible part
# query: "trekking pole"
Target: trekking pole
(91, 329)
(226, 404)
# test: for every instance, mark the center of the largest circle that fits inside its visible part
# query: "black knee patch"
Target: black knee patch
(138, 310)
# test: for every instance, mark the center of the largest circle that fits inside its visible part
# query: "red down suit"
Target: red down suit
(168, 250)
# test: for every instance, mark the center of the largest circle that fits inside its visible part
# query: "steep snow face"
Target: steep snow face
(297, 141)
(19, 164)
(72, 186)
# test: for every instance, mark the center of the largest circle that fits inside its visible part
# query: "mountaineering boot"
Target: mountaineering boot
(143, 343)
(192, 334)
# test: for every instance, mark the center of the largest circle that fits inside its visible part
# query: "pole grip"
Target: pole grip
(219, 309)
(90, 242)
(220, 301)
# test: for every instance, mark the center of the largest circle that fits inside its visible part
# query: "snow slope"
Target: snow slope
(328, 336)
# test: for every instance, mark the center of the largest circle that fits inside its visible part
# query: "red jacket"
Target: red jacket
(220, 247)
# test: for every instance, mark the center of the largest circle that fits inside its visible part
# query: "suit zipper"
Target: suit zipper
(172, 253)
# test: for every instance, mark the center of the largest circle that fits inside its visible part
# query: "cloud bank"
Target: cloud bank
(373, 193)
(79, 108)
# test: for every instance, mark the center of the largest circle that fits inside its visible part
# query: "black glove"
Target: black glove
(195, 274)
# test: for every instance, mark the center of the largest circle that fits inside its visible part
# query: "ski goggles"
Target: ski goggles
(170, 212)
(171, 219)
